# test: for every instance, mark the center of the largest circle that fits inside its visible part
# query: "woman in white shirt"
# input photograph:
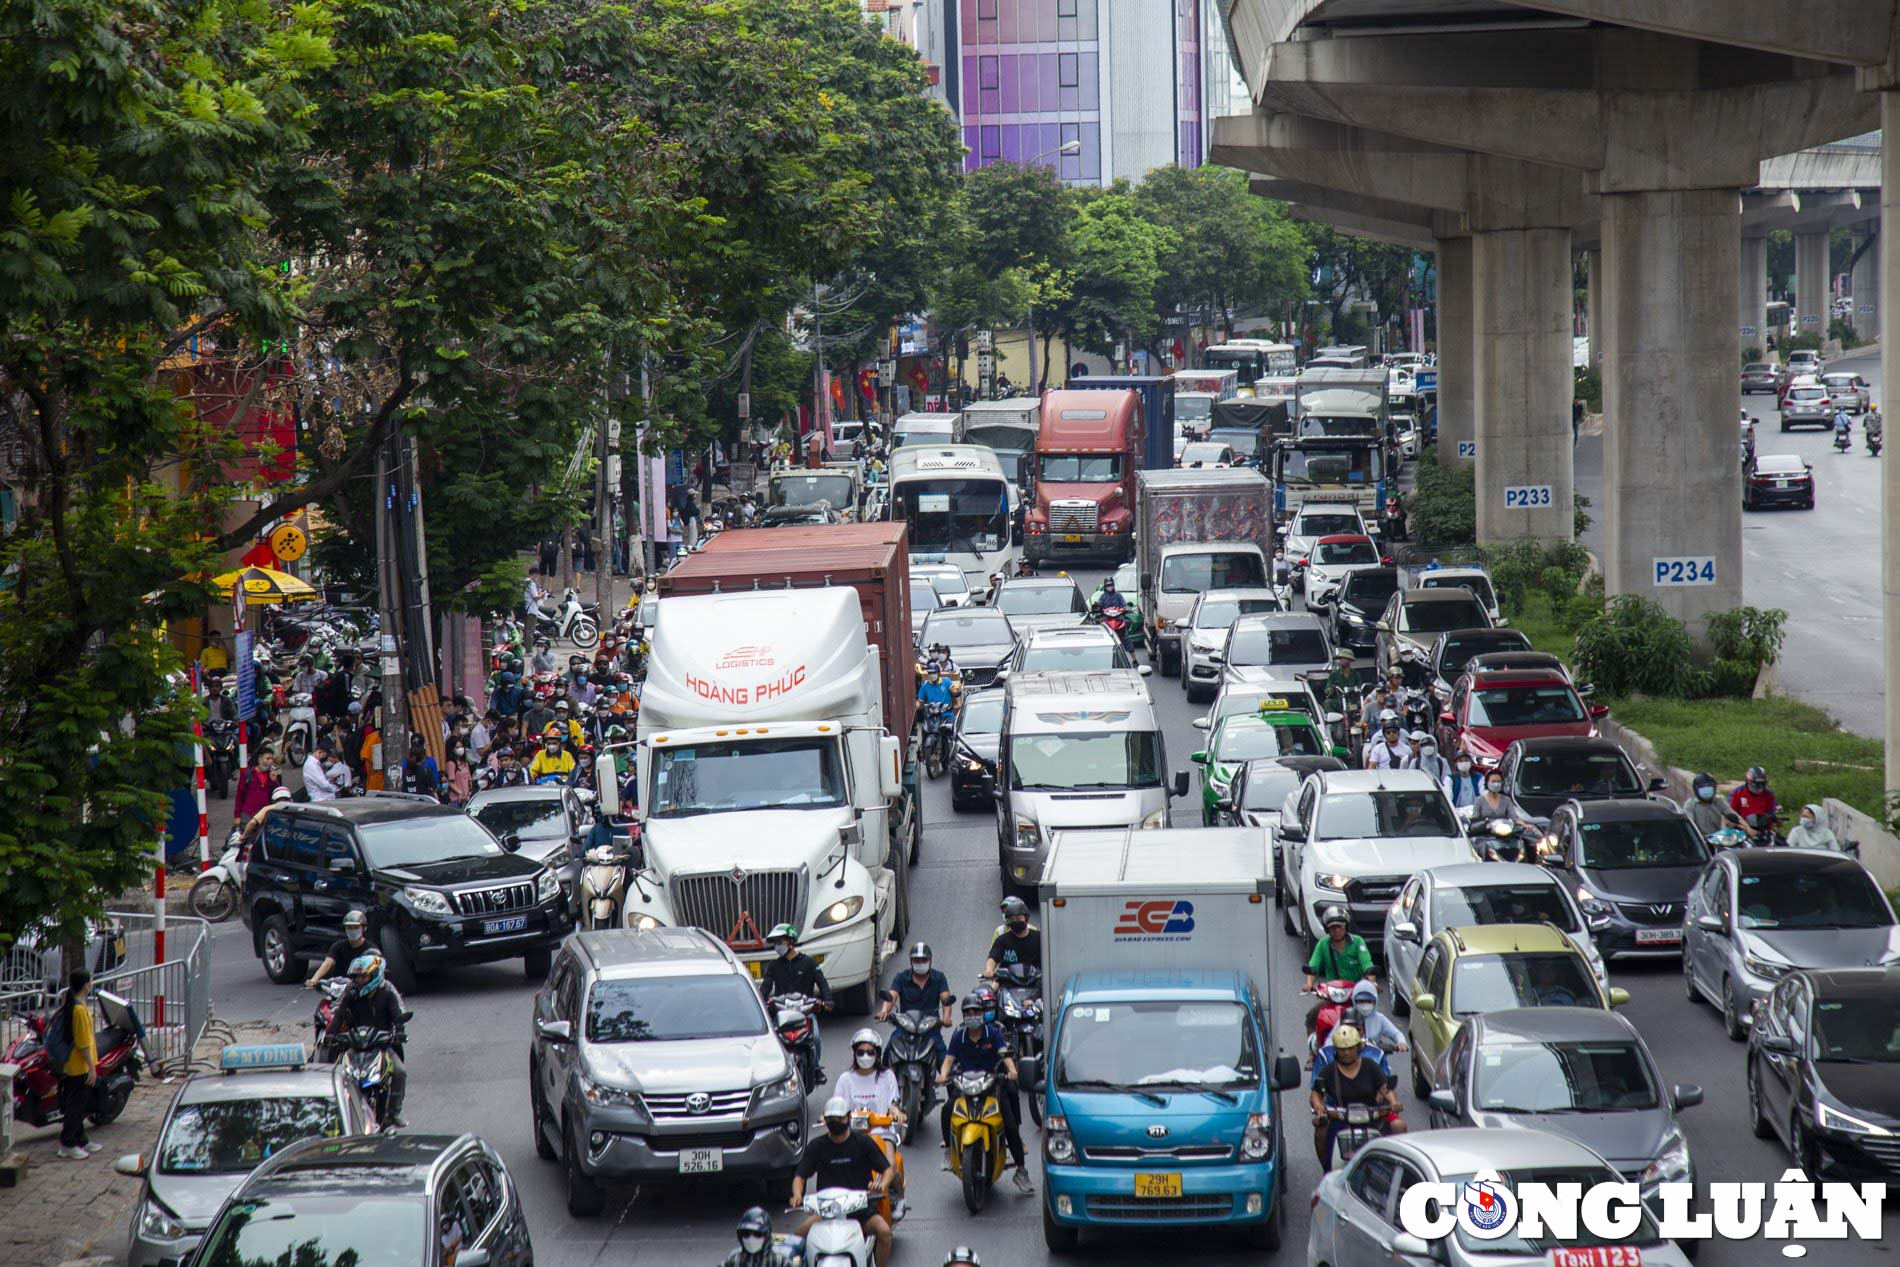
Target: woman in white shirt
(869, 1087)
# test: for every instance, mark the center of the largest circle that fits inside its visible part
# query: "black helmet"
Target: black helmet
(1705, 779)
(974, 1003)
(755, 1220)
(1335, 915)
(921, 950)
(1757, 776)
(1013, 906)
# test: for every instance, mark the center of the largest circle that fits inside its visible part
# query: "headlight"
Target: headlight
(838, 912)
(1057, 1144)
(1157, 819)
(428, 901)
(1028, 835)
(602, 1096)
(546, 885)
(973, 765)
(1257, 1141)
(1334, 881)
(774, 1093)
(642, 923)
(1546, 845)
(156, 1222)
(1835, 1120)
(1593, 906)
(1671, 1163)
(1766, 967)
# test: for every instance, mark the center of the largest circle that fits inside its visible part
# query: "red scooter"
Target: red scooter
(1335, 1002)
(1115, 620)
(121, 1056)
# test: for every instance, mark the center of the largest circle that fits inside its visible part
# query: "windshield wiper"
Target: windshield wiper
(1208, 1089)
(1096, 1084)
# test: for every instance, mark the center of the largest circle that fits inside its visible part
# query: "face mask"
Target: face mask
(1365, 1008)
(1018, 925)
(974, 1024)
(1495, 785)
(920, 969)
(752, 1244)
(837, 1126)
(784, 949)
(866, 1060)
(1807, 820)
(459, 751)
(1464, 767)
(1705, 793)
(1428, 749)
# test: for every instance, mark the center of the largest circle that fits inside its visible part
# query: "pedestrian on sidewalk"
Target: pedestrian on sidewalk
(1576, 417)
(458, 774)
(79, 1071)
(549, 554)
(254, 786)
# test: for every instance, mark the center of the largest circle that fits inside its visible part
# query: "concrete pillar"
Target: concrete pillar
(1671, 479)
(1521, 287)
(1454, 346)
(1810, 283)
(1754, 291)
(1593, 303)
(1866, 283)
(1890, 408)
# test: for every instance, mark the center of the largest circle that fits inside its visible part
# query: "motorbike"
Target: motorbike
(1334, 1003)
(1114, 619)
(122, 1054)
(1019, 1001)
(604, 886)
(331, 990)
(300, 726)
(1392, 519)
(977, 1154)
(573, 620)
(837, 1239)
(795, 1018)
(1418, 712)
(367, 1062)
(1762, 831)
(213, 895)
(220, 757)
(937, 724)
(1358, 1126)
(882, 1128)
(911, 1052)
(1728, 838)
(1873, 443)
(1843, 440)
(1506, 840)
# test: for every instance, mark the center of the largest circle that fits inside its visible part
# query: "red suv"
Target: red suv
(1489, 711)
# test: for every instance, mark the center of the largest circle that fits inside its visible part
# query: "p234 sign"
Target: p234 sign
(1687, 570)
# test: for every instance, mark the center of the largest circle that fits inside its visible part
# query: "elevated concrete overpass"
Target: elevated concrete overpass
(1659, 136)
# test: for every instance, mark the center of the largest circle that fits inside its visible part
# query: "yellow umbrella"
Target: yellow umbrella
(265, 586)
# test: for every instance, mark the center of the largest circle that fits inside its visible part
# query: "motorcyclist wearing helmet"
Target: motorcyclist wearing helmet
(553, 759)
(962, 1256)
(935, 688)
(920, 988)
(1351, 1079)
(1493, 803)
(344, 950)
(1017, 941)
(980, 1044)
(1753, 797)
(793, 972)
(1410, 669)
(371, 1000)
(1707, 813)
(542, 661)
(871, 1088)
(1342, 955)
(1389, 750)
(758, 1248)
(844, 1158)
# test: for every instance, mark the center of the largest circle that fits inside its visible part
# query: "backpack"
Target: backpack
(59, 1040)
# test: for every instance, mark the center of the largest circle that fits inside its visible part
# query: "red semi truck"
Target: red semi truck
(1087, 452)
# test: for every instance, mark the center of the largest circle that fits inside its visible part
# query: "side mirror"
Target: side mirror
(1333, 719)
(1198, 758)
(1619, 997)
(1180, 787)
(1215, 657)
(344, 866)
(555, 1031)
(473, 1257)
(1599, 711)
(1447, 718)
(890, 767)
(1443, 1100)
(989, 787)
(1710, 923)
(1586, 690)
(607, 785)
(1658, 783)
(1685, 1097)
(1145, 670)
(1225, 804)
(1425, 1002)
(1203, 723)
(1504, 622)
(1383, 626)
(1286, 1074)
(1291, 828)
(511, 842)
(1405, 1245)
(132, 1164)
(1002, 675)
(1779, 1045)
(1405, 930)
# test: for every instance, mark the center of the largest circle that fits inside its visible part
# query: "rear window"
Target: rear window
(1277, 645)
(1480, 586)
(1441, 616)
(1807, 393)
(1369, 591)
(1759, 367)
(1345, 552)
(1327, 525)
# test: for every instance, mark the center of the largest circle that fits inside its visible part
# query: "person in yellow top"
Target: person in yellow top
(212, 657)
(552, 759)
(81, 1070)
(564, 726)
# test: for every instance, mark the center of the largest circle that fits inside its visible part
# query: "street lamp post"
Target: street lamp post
(1071, 146)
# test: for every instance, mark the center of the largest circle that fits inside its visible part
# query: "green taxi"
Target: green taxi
(1242, 737)
(1488, 968)
(1128, 584)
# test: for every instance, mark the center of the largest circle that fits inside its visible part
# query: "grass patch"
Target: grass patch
(1726, 736)
(1536, 623)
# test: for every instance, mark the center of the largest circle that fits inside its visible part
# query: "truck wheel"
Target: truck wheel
(280, 965)
(1059, 1239)
(916, 832)
(402, 973)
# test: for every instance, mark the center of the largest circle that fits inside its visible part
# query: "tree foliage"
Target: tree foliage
(1231, 250)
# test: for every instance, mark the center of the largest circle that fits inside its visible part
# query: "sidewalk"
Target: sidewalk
(66, 1212)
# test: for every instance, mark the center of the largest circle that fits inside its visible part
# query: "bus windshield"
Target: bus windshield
(1360, 464)
(1247, 361)
(965, 515)
(808, 490)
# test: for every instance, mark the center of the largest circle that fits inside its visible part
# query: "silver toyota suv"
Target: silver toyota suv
(654, 1058)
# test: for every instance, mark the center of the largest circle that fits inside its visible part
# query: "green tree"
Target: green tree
(1232, 252)
(1355, 268)
(1115, 268)
(137, 130)
(1017, 249)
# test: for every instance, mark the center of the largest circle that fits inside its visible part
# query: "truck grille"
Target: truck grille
(1188, 1152)
(1374, 889)
(687, 1107)
(1131, 1209)
(496, 900)
(1654, 914)
(740, 906)
(1073, 516)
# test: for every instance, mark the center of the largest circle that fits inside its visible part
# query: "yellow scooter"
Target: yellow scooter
(977, 1153)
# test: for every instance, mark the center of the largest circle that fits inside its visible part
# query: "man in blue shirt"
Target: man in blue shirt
(933, 690)
(982, 1045)
(920, 989)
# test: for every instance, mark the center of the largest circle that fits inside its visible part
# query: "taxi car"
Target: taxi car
(1270, 732)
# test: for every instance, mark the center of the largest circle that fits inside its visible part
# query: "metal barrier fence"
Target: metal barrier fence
(172, 998)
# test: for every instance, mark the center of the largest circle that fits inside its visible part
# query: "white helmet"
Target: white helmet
(866, 1035)
(837, 1106)
(1387, 718)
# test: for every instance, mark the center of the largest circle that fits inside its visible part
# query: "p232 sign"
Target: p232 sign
(1688, 570)
(1527, 496)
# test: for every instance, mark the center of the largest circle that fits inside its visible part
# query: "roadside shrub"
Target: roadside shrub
(1842, 331)
(1810, 342)
(1751, 353)
(1743, 639)
(1582, 607)
(1635, 647)
(1444, 509)
(1589, 388)
(1579, 520)
(1522, 568)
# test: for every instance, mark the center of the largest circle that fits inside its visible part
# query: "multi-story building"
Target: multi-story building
(1100, 89)
(925, 26)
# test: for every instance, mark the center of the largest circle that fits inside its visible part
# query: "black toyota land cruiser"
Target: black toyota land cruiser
(437, 886)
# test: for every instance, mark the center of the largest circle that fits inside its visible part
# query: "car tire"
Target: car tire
(1268, 1235)
(585, 1199)
(1784, 426)
(916, 833)
(538, 1115)
(535, 964)
(1420, 1087)
(1688, 980)
(1758, 1122)
(402, 973)
(1287, 918)
(280, 964)
(1401, 1003)
(1809, 504)
(1056, 1237)
(1807, 1154)
(1731, 1015)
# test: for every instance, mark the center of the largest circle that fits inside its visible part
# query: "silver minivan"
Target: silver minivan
(652, 1058)
(1078, 749)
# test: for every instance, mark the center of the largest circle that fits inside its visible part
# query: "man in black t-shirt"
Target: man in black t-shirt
(1351, 1079)
(844, 1158)
(354, 942)
(1017, 941)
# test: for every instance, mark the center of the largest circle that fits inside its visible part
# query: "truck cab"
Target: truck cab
(1160, 1091)
(1187, 570)
(1088, 448)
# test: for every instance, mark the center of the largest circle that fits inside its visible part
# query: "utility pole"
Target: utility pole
(392, 725)
(651, 511)
(605, 444)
